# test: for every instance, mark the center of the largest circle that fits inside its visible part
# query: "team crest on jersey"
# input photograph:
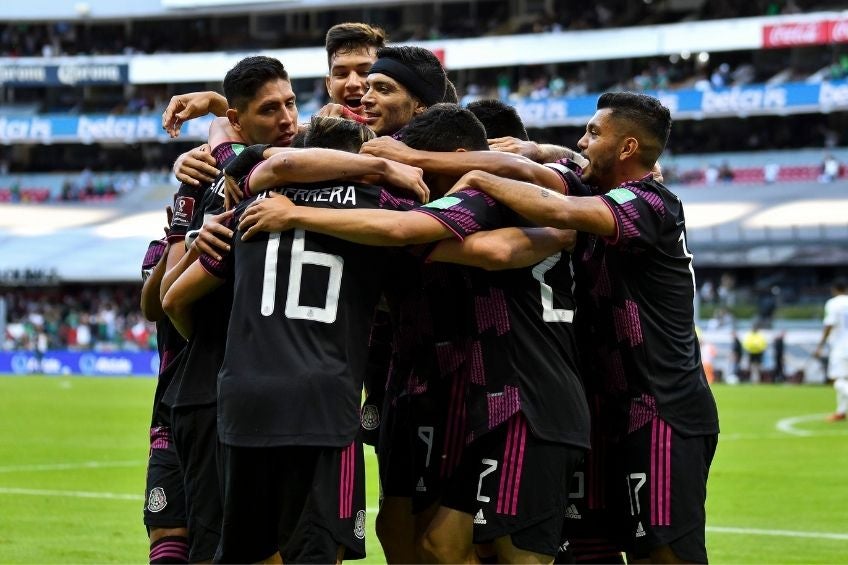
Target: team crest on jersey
(183, 210)
(359, 525)
(370, 417)
(157, 502)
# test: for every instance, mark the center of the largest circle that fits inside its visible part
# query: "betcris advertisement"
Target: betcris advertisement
(86, 363)
(789, 98)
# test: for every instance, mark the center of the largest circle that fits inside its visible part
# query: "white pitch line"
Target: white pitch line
(787, 425)
(71, 493)
(777, 533)
(65, 466)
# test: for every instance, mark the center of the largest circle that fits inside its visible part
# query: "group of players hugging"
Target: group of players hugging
(519, 316)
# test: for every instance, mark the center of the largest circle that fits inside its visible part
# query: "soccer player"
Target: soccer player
(836, 329)
(262, 110)
(402, 83)
(518, 310)
(351, 50)
(499, 118)
(636, 288)
(288, 423)
(164, 509)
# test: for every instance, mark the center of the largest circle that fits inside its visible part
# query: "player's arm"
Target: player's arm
(506, 248)
(822, 341)
(151, 305)
(192, 285)
(537, 152)
(456, 164)
(221, 131)
(317, 164)
(184, 107)
(213, 239)
(368, 227)
(542, 206)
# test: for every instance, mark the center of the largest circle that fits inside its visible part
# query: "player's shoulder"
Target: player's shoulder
(228, 150)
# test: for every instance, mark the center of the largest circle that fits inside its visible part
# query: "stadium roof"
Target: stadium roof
(733, 225)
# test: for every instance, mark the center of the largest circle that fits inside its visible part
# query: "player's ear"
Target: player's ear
(327, 86)
(233, 116)
(629, 148)
(419, 107)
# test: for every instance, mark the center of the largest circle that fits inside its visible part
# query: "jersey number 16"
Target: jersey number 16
(300, 257)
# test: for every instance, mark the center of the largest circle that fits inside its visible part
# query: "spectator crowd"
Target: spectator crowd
(76, 318)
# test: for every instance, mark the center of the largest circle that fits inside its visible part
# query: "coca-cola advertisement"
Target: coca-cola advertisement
(796, 34)
(839, 31)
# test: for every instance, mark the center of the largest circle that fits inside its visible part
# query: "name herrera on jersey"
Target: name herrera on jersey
(344, 195)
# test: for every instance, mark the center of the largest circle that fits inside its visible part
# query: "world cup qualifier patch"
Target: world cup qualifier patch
(156, 502)
(183, 210)
(370, 417)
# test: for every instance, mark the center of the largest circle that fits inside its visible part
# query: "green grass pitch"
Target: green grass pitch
(73, 451)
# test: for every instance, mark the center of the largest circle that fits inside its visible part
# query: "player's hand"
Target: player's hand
(468, 180)
(340, 111)
(214, 237)
(388, 148)
(271, 214)
(196, 166)
(184, 107)
(408, 178)
(529, 149)
(169, 214)
(233, 193)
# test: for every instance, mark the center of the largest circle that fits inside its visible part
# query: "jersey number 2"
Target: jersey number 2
(549, 313)
(299, 258)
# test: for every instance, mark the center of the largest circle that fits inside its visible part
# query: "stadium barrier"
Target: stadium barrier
(788, 98)
(84, 363)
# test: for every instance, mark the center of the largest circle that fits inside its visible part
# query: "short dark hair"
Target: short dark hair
(650, 119)
(352, 36)
(244, 80)
(451, 96)
(424, 64)
(445, 127)
(499, 118)
(337, 133)
(839, 285)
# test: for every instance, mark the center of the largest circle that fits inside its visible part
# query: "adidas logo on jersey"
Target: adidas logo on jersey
(421, 487)
(479, 518)
(640, 531)
(572, 513)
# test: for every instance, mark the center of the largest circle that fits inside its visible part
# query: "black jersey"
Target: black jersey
(524, 355)
(195, 379)
(297, 342)
(431, 310)
(635, 293)
(169, 342)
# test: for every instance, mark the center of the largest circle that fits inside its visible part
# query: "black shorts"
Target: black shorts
(395, 448)
(438, 437)
(592, 533)
(515, 484)
(593, 530)
(302, 501)
(196, 437)
(666, 478)
(164, 497)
